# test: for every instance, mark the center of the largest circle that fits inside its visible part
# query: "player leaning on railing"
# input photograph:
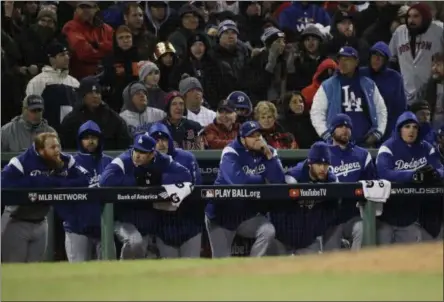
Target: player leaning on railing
(350, 163)
(406, 158)
(43, 165)
(140, 166)
(81, 221)
(246, 160)
(300, 225)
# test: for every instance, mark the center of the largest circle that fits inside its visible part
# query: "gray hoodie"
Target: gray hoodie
(138, 121)
(18, 134)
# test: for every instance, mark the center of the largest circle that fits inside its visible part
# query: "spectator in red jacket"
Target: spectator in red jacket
(89, 39)
(266, 114)
(224, 128)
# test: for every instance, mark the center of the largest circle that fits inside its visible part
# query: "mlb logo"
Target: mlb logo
(208, 193)
(32, 197)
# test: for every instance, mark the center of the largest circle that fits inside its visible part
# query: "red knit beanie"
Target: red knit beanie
(425, 11)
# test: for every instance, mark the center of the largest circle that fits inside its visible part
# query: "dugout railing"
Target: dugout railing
(202, 194)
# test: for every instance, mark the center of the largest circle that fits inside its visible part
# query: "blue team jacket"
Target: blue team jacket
(163, 170)
(239, 166)
(84, 218)
(177, 227)
(397, 162)
(298, 224)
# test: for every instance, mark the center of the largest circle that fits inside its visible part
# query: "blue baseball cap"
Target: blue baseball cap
(340, 120)
(145, 143)
(348, 51)
(248, 128)
(239, 99)
(319, 154)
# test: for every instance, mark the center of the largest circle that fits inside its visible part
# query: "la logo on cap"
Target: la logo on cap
(252, 124)
(140, 139)
(341, 50)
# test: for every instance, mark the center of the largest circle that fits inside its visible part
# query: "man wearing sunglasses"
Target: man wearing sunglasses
(19, 133)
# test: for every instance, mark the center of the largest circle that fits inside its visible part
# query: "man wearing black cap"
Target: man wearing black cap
(114, 129)
(55, 85)
(18, 134)
(433, 91)
(423, 114)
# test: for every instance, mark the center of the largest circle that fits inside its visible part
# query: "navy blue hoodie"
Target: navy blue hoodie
(84, 218)
(391, 88)
(298, 224)
(297, 16)
(121, 172)
(177, 227)
(397, 162)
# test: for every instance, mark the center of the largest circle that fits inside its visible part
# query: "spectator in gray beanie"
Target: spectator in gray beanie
(228, 33)
(149, 74)
(192, 92)
(136, 111)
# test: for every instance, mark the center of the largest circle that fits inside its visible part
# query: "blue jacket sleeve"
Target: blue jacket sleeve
(274, 172)
(233, 174)
(13, 177)
(77, 175)
(195, 171)
(385, 167)
(176, 174)
(369, 171)
(434, 161)
(286, 19)
(113, 175)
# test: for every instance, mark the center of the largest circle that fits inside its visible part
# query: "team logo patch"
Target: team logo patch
(32, 197)
(207, 193)
(190, 134)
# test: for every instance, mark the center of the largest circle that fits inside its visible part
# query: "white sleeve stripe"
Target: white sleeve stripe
(368, 159)
(17, 164)
(71, 163)
(385, 149)
(275, 153)
(432, 151)
(228, 150)
(117, 161)
(290, 179)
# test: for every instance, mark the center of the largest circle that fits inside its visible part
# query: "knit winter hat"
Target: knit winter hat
(146, 69)
(47, 13)
(417, 106)
(227, 25)
(169, 98)
(270, 35)
(313, 31)
(340, 120)
(425, 11)
(319, 154)
(188, 83)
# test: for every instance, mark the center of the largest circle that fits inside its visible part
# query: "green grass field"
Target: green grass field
(321, 277)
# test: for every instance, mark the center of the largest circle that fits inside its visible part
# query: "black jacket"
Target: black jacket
(113, 127)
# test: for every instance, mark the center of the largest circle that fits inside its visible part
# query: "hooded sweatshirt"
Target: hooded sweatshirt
(138, 121)
(18, 134)
(320, 75)
(298, 15)
(179, 226)
(397, 162)
(390, 85)
(84, 218)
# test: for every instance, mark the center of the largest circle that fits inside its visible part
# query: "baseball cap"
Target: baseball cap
(145, 143)
(55, 48)
(239, 99)
(348, 51)
(33, 101)
(226, 105)
(340, 120)
(248, 128)
(89, 84)
(417, 106)
(319, 153)
(86, 3)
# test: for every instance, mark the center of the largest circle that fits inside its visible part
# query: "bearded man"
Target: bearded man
(43, 165)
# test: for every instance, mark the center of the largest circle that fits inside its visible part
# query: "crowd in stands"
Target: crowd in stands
(203, 67)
